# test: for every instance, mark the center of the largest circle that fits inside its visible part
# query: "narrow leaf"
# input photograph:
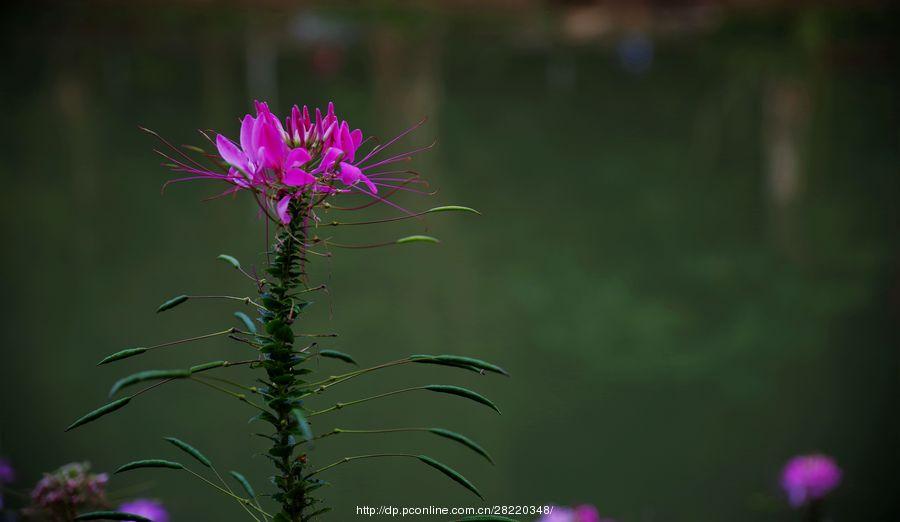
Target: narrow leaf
(111, 515)
(172, 303)
(244, 483)
(207, 366)
(124, 354)
(462, 439)
(99, 412)
(148, 375)
(417, 239)
(302, 423)
(190, 450)
(248, 323)
(433, 359)
(450, 472)
(149, 463)
(462, 392)
(334, 354)
(230, 260)
(460, 361)
(452, 208)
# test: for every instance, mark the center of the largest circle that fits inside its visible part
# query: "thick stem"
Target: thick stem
(287, 269)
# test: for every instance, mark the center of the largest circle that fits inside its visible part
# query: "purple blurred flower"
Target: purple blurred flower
(146, 507)
(7, 472)
(809, 477)
(582, 513)
(7, 475)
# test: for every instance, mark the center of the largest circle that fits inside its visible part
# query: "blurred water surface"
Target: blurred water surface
(687, 259)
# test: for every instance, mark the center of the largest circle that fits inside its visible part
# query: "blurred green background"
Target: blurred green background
(688, 257)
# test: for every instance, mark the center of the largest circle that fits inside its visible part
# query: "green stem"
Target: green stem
(338, 431)
(191, 339)
(242, 500)
(337, 379)
(243, 506)
(239, 396)
(288, 270)
(245, 300)
(358, 457)
(251, 389)
(340, 405)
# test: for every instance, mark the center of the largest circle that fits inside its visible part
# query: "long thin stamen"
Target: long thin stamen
(400, 157)
(376, 150)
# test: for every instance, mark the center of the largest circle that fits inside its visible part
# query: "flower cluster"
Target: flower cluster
(304, 155)
(150, 509)
(69, 489)
(808, 478)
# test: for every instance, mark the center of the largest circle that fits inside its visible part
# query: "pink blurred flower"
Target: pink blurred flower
(582, 513)
(148, 508)
(7, 472)
(70, 488)
(809, 477)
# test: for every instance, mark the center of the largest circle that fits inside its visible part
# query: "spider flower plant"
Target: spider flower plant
(303, 173)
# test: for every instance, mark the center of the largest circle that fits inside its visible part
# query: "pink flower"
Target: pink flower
(289, 162)
(145, 507)
(582, 513)
(807, 478)
(7, 472)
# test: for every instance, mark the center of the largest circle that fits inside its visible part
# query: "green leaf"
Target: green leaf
(302, 423)
(462, 439)
(461, 392)
(471, 361)
(111, 515)
(148, 375)
(460, 362)
(230, 260)
(207, 366)
(244, 483)
(172, 303)
(485, 518)
(334, 354)
(149, 463)
(248, 323)
(99, 412)
(417, 239)
(450, 472)
(190, 450)
(124, 354)
(452, 208)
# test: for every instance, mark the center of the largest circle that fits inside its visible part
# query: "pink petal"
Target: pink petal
(231, 153)
(247, 132)
(275, 150)
(346, 142)
(237, 178)
(282, 209)
(298, 178)
(297, 158)
(323, 188)
(328, 159)
(350, 174)
(368, 182)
